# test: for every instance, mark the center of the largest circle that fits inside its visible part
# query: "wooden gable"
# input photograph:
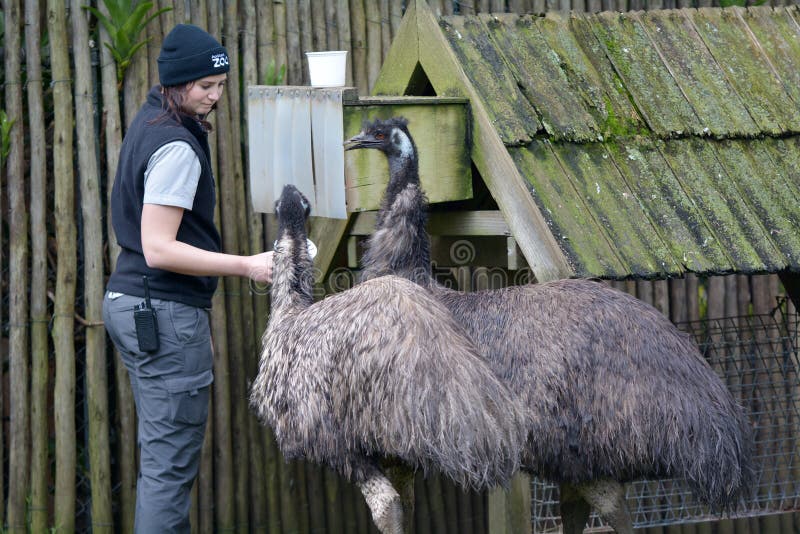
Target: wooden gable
(627, 145)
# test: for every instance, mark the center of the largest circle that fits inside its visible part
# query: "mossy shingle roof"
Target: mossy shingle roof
(652, 143)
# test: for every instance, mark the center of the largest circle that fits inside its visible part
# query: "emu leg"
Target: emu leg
(574, 510)
(402, 478)
(383, 502)
(608, 498)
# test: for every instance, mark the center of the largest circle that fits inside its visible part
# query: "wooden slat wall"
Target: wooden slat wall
(244, 484)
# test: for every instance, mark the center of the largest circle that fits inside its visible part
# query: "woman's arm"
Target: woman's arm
(162, 250)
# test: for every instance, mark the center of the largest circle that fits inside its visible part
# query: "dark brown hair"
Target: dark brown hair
(173, 100)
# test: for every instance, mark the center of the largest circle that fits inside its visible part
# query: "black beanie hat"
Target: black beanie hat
(190, 53)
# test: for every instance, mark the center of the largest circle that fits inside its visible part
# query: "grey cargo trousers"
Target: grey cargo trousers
(171, 392)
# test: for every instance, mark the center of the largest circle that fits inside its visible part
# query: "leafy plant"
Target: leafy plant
(125, 22)
(5, 138)
(274, 76)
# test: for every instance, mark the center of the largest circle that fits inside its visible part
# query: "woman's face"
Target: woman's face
(202, 94)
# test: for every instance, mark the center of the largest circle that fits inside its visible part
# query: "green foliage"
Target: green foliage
(274, 76)
(5, 138)
(125, 22)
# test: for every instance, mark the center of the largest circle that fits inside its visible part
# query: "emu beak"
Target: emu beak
(357, 141)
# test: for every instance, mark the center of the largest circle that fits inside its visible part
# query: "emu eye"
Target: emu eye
(380, 136)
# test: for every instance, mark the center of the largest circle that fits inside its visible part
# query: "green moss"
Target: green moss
(612, 126)
(615, 126)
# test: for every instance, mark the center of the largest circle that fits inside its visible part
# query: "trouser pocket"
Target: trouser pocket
(188, 397)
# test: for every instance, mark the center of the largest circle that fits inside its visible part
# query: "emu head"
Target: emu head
(293, 278)
(292, 209)
(390, 136)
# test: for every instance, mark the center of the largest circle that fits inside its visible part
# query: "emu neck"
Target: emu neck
(403, 171)
(292, 275)
(400, 244)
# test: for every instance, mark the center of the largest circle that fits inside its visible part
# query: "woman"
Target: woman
(162, 209)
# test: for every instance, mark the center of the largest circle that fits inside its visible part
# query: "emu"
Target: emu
(614, 392)
(380, 371)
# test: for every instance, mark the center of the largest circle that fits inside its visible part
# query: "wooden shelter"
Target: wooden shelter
(619, 146)
(644, 145)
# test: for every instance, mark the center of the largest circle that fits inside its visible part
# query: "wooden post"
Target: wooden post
(281, 56)
(358, 33)
(343, 31)
(254, 230)
(40, 466)
(307, 29)
(126, 411)
(19, 425)
(223, 483)
(374, 57)
(265, 39)
(294, 70)
(331, 30)
(66, 270)
(93, 279)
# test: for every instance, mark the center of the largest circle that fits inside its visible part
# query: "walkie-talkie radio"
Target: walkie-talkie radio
(146, 324)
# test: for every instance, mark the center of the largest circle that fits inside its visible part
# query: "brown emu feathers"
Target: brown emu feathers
(612, 390)
(377, 371)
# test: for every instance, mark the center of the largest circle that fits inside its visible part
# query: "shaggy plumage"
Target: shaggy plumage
(380, 370)
(614, 391)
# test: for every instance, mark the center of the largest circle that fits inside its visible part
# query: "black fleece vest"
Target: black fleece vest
(150, 130)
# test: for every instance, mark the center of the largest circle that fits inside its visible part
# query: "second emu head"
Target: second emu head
(390, 136)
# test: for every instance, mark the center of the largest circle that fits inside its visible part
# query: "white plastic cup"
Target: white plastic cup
(327, 69)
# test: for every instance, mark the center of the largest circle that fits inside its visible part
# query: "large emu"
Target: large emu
(613, 391)
(378, 371)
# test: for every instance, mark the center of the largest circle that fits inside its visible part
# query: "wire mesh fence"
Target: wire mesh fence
(757, 357)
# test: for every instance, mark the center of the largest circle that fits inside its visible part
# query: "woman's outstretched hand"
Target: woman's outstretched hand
(260, 267)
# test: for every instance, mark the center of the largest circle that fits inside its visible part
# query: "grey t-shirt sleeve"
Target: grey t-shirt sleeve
(172, 174)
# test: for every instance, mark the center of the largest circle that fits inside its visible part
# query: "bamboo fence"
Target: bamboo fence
(68, 446)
